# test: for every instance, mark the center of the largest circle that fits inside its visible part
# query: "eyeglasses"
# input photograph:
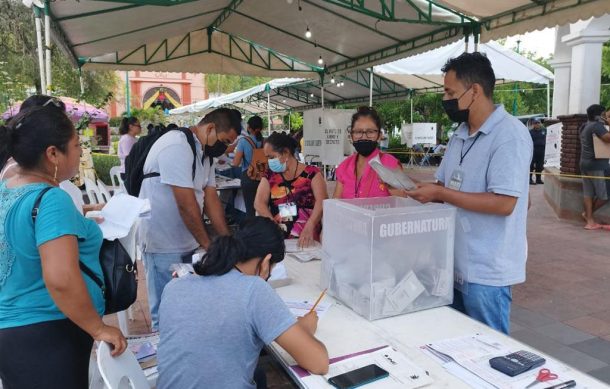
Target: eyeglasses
(370, 133)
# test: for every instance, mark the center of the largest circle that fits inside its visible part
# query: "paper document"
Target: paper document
(468, 359)
(303, 254)
(279, 276)
(145, 349)
(120, 214)
(302, 307)
(227, 183)
(403, 373)
(396, 178)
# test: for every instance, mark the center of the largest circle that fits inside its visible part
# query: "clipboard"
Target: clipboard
(601, 148)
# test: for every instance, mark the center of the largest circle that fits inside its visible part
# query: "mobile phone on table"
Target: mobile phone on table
(359, 377)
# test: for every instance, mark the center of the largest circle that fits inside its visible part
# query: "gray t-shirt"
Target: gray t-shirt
(172, 157)
(588, 162)
(213, 328)
(491, 249)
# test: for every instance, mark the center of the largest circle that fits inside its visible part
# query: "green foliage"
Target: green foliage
(153, 115)
(19, 73)
(102, 164)
(115, 121)
(222, 84)
(605, 89)
(296, 121)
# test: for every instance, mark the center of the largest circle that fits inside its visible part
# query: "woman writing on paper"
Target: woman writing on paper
(214, 324)
(292, 193)
(355, 177)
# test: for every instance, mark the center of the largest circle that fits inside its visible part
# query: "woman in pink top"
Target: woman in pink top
(130, 127)
(355, 178)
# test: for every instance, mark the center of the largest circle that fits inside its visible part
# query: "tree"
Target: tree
(296, 121)
(19, 73)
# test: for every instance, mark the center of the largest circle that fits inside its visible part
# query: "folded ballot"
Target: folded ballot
(396, 178)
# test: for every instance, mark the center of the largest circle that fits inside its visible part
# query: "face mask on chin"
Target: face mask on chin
(453, 111)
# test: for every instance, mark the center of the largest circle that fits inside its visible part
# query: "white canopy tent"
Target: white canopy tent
(268, 38)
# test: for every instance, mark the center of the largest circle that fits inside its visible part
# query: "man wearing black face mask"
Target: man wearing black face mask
(178, 198)
(484, 173)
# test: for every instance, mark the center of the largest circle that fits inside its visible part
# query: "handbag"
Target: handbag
(120, 284)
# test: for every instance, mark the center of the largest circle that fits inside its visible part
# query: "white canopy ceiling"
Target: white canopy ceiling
(255, 37)
(423, 71)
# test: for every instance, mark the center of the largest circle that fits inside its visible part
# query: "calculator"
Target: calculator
(517, 363)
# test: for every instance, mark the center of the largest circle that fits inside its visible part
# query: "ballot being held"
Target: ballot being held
(388, 256)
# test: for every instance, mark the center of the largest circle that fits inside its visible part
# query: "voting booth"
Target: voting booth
(388, 256)
(325, 135)
(418, 133)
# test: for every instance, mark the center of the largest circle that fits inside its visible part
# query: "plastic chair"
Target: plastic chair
(75, 193)
(116, 180)
(114, 370)
(93, 191)
(104, 191)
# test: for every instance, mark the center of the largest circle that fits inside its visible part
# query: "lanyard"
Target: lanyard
(462, 154)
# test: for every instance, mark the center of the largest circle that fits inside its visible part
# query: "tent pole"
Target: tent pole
(289, 129)
(476, 42)
(466, 41)
(47, 40)
(127, 95)
(43, 79)
(269, 111)
(411, 100)
(371, 88)
(548, 99)
(322, 96)
(81, 81)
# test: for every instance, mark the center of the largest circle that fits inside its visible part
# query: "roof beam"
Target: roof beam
(404, 47)
(290, 34)
(98, 12)
(240, 50)
(232, 7)
(386, 12)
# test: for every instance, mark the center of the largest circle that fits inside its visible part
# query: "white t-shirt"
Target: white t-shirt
(172, 157)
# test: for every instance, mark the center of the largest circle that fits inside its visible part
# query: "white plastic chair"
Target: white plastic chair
(104, 191)
(114, 370)
(93, 191)
(75, 193)
(117, 181)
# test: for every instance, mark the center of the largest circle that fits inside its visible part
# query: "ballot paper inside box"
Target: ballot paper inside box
(388, 256)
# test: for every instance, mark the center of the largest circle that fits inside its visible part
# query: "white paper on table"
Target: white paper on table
(120, 214)
(473, 353)
(403, 372)
(292, 246)
(302, 307)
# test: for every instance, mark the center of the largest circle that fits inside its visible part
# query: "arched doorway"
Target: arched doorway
(161, 96)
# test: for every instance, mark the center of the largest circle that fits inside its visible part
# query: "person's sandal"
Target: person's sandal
(592, 227)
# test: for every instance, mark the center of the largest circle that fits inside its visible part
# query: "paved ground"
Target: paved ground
(562, 309)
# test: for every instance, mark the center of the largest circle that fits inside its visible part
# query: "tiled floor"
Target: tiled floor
(562, 309)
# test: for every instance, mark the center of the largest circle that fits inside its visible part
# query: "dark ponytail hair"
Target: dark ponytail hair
(125, 123)
(28, 135)
(281, 142)
(257, 237)
(367, 112)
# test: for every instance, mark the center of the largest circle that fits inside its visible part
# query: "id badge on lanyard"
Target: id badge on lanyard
(288, 211)
(457, 178)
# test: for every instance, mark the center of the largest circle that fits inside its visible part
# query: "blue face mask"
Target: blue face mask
(276, 166)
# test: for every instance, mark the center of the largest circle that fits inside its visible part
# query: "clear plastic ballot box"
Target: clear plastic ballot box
(388, 256)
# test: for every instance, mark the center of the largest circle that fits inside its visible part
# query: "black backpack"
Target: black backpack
(134, 163)
(120, 284)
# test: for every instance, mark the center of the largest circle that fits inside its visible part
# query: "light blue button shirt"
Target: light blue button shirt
(490, 249)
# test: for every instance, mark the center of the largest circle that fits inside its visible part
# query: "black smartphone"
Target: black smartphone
(356, 378)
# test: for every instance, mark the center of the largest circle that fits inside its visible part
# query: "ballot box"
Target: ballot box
(388, 256)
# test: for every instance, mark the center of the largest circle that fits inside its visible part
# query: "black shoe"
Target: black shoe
(532, 182)
(539, 182)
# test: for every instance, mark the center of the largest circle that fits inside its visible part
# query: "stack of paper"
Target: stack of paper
(121, 213)
(303, 254)
(403, 373)
(468, 359)
(396, 178)
(144, 348)
(302, 307)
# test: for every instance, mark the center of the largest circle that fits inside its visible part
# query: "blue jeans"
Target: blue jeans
(488, 304)
(158, 274)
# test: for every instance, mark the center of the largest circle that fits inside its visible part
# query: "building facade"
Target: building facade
(165, 89)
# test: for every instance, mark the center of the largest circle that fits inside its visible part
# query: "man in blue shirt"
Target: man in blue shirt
(484, 173)
(244, 153)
